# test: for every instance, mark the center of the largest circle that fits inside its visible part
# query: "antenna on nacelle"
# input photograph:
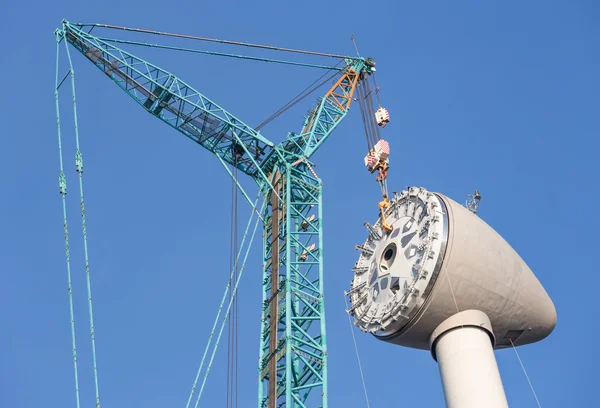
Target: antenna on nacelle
(472, 202)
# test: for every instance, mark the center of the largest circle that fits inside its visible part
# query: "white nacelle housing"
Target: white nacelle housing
(441, 259)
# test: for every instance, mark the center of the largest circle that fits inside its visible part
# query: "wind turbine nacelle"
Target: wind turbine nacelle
(441, 259)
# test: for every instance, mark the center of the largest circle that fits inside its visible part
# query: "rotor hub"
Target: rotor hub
(395, 272)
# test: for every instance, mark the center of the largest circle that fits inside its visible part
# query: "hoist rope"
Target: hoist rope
(220, 54)
(526, 376)
(365, 96)
(62, 181)
(362, 377)
(371, 109)
(364, 117)
(215, 40)
(221, 305)
(297, 98)
(79, 169)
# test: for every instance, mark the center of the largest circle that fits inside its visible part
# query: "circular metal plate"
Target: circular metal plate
(396, 271)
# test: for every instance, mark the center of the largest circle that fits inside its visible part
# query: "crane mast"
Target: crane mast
(293, 345)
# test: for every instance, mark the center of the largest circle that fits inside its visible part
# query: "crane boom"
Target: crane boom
(176, 103)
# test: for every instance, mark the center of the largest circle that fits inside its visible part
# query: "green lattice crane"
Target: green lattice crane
(293, 344)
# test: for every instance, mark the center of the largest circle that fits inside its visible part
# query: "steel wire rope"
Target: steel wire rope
(79, 169)
(228, 309)
(223, 299)
(220, 54)
(368, 110)
(376, 134)
(297, 98)
(376, 90)
(62, 181)
(367, 115)
(526, 376)
(363, 114)
(215, 40)
(371, 110)
(362, 377)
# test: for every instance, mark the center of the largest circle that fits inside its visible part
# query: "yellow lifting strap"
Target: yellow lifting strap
(383, 205)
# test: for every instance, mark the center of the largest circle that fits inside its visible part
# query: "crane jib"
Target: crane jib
(174, 102)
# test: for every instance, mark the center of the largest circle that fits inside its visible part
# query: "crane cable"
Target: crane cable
(367, 111)
(299, 97)
(376, 90)
(362, 376)
(373, 134)
(220, 54)
(62, 183)
(364, 117)
(215, 40)
(228, 287)
(373, 137)
(229, 305)
(526, 376)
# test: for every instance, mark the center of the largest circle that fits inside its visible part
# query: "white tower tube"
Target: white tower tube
(463, 346)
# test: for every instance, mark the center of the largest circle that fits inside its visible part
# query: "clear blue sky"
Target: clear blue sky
(499, 96)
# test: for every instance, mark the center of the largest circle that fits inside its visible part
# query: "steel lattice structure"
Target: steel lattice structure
(293, 344)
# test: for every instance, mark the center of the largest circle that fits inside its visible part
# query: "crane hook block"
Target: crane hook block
(382, 116)
(378, 157)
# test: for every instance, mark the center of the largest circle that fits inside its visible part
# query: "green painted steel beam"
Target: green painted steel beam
(176, 103)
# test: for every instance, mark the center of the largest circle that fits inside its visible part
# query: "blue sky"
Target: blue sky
(498, 96)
